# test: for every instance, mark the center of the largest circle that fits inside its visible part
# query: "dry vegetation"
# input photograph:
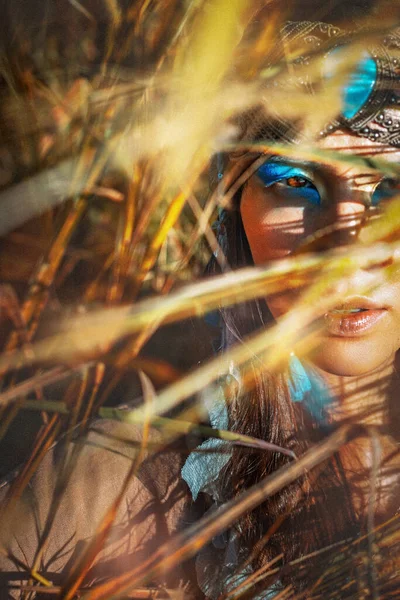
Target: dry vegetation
(111, 113)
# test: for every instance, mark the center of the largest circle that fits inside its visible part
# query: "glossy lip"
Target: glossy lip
(343, 322)
(361, 302)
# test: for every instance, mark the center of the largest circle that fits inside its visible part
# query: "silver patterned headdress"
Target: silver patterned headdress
(370, 92)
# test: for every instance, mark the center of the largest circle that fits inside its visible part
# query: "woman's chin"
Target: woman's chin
(351, 357)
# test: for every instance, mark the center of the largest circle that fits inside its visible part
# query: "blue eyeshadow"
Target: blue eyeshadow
(382, 193)
(274, 172)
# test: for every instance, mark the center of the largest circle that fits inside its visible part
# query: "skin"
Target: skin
(276, 227)
(360, 369)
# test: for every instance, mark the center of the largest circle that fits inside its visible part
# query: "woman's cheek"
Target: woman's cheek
(280, 304)
(273, 232)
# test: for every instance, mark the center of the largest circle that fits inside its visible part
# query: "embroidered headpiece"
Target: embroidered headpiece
(370, 93)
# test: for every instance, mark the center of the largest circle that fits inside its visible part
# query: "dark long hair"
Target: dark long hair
(267, 411)
(317, 510)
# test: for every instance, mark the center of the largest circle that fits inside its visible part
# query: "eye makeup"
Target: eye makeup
(292, 181)
(296, 181)
(386, 189)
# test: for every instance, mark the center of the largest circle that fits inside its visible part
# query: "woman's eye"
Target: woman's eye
(290, 181)
(298, 182)
(387, 189)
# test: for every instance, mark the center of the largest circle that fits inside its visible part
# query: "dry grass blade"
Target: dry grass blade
(122, 255)
(137, 594)
(95, 333)
(36, 195)
(155, 89)
(20, 390)
(171, 428)
(38, 293)
(44, 442)
(174, 210)
(269, 347)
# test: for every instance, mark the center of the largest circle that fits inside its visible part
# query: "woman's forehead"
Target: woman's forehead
(349, 143)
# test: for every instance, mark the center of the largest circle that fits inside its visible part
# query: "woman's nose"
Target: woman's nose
(348, 215)
(346, 221)
(341, 226)
(351, 209)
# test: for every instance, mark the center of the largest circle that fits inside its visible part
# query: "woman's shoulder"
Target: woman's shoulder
(66, 505)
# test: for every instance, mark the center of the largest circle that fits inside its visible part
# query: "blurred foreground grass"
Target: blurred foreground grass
(111, 115)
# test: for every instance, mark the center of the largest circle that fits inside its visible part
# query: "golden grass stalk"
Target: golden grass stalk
(159, 128)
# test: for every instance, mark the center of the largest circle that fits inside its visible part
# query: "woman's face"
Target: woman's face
(285, 203)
